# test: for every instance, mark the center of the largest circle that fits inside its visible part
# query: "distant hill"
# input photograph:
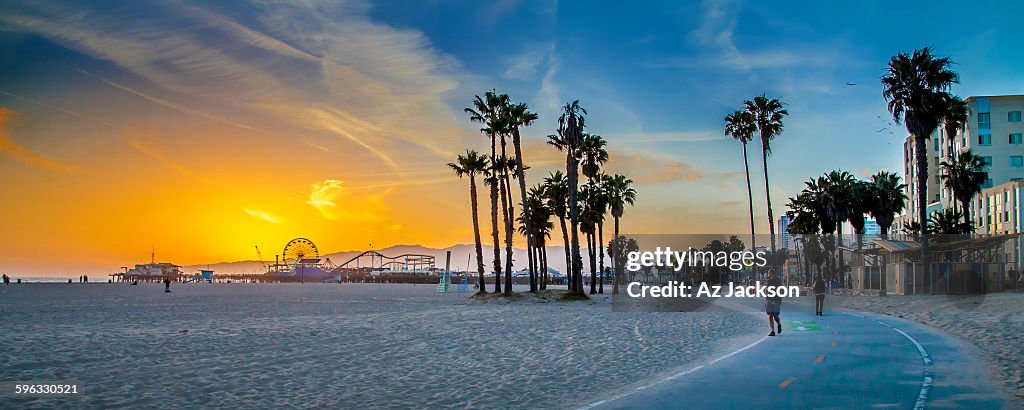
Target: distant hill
(460, 255)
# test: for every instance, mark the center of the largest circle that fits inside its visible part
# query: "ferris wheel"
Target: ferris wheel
(298, 249)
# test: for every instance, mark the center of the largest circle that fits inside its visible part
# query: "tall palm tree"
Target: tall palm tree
(768, 114)
(620, 194)
(473, 164)
(588, 197)
(916, 87)
(571, 126)
(861, 197)
(556, 191)
(506, 167)
(517, 116)
(539, 227)
(486, 111)
(964, 174)
(955, 118)
(742, 125)
(594, 155)
(889, 200)
(600, 211)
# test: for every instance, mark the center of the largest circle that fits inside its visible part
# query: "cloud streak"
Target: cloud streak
(24, 155)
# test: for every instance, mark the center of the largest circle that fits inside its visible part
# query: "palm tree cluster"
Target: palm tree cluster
(916, 87)
(828, 201)
(762, 116)
(579, 209)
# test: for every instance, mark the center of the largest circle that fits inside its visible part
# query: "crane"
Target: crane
(260, 255)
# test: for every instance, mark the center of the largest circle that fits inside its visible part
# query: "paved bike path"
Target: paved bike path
(842, 360)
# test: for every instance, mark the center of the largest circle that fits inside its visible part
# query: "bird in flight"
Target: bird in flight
(851, 84)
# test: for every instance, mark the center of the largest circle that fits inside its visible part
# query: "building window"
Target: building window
(984, 121)
(988, 161)
(984, 139)
(1015, 138)
(936, 142)
(1013, 116)
(1016, 160)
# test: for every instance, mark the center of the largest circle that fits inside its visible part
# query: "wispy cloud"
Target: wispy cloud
(25, 155)
(338, 66)
(168, 104)
(263, 215)
(322, 196)
(525, 64)
(143, 143)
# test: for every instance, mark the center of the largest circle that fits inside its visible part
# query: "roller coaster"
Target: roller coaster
(301, 257)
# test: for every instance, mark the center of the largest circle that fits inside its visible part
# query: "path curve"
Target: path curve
(847, 359)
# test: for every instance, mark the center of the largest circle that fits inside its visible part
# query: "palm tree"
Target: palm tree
(964, 174)
(556, 191)
(600, 210)
(955, 118)
(505, 166)
(620, 194)
(916, 87)
(768, 114)
(588, 227)
(861, 197)
(516, 116)
(889, 200)
(594, 154)
(535, 224)
(473, 164)
(571, 126)
(741, 125)
(949, 222)
(485, 110)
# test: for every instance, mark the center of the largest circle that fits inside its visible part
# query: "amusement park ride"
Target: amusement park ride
(300, 259)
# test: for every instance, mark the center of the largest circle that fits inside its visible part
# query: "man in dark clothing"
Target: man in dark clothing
(167, 284)
(773, 304)
(819, 295)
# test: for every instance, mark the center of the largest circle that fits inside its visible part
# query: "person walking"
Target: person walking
(167, 284)
(773, 304)
(819, 295)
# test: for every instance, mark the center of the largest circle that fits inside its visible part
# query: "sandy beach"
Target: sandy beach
(993, 323)
(329, 345)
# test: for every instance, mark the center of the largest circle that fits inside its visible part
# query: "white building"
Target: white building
(994, 132)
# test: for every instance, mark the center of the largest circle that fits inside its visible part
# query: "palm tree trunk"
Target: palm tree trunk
(768, 198)
(521, 175)
(494, 222)
(476, 233)
(543, 264)
(593, 261)
(600, 254)
(750, 199)
(574, 214)
(616, 276)
(920, 149)
(568, 252)
(506, 195)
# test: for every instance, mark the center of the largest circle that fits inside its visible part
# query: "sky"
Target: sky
(203, 129)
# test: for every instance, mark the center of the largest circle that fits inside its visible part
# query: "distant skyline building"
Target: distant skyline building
(785, 239)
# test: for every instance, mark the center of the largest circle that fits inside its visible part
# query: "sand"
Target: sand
(330, 345)
(994, 323)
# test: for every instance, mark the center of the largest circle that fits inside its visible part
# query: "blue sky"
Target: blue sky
(335, 119)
